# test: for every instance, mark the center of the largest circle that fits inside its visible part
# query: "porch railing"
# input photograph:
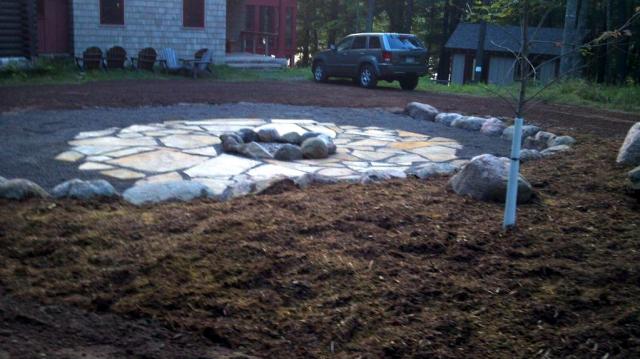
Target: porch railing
(250, 41)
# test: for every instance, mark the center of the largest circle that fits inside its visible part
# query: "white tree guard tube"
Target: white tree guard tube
(514, 174)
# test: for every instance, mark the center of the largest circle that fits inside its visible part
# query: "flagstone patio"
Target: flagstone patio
(190, 150)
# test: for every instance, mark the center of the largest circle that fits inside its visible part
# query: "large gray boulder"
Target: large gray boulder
(315, 148)
(421, 111)
(493, 127)
(2, 179)
(447, 118)
(20, 189)
(268, 135)
(561, 141)
(431, 170)
(80, 189)
(527, 130)
(254, 150)
(248, 135)
(291, 137)
(241, 187)
(288, 152)
(469, 123)
(540, 141)
(231, 142)
(485, 178)
(168, 191)
(630, 151)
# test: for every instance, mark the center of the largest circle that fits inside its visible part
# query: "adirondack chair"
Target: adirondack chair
(200, 62)
(91, 59)
(169, 61)
(115, 59)
(145, 60)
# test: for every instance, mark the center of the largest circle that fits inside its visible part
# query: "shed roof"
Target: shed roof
(544, 41)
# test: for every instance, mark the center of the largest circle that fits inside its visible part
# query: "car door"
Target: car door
(336, 59)
(357, 51)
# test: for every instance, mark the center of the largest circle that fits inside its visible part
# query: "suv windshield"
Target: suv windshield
(403, 42)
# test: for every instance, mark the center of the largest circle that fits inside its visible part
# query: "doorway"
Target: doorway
(53, 27)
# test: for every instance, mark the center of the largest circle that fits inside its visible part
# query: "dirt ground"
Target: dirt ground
(168, 92)
(400, 269)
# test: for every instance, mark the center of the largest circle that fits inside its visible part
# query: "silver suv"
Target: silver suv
(370, 57)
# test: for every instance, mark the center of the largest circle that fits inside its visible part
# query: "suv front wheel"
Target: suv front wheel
(320, 72)
(368, 78)
(409, 83)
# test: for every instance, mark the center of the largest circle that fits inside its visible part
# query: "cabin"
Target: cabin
(499, 45)
(32, 28)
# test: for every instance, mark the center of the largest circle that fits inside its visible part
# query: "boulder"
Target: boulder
(552, 151)
(248, 135)
(167, 191)
(330, 145)
(540, 141)
(421, 111)
(469, 123)
(2, 179)
(561, 141)
(527, 155)
(80, 189)
(20, 189)
(241, 187)
(231, 142)
(288, 152)
(308, 135)
(268, 135)
(447, 118)
(630, 151)
(493, 127)
(634, 177)
(254, 150)
(431, 170)
(485, 178)
(315, 148)
(292, 138)
(527, 130)
(372, 176)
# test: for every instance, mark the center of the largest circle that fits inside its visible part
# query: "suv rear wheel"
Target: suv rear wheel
(368, 77)
(320, 72)
(409, 83)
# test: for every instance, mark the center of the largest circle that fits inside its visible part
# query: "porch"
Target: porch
(261, 27)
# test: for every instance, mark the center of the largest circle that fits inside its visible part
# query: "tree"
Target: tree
(575, 24)
(371, 5)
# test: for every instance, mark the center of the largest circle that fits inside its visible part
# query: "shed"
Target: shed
(499, 45)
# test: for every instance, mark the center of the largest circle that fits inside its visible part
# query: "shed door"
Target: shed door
(501, 70)
(53, 26)
(457, 69)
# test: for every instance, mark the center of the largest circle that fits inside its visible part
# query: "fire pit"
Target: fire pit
(267, 143)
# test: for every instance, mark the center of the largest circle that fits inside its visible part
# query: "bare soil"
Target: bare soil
(336, 94)
(400, 269)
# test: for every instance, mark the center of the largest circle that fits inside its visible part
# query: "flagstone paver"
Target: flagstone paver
(177, 149)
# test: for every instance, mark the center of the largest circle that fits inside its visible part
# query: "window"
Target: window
(360, 42)
(250, 16)
(112, 12)
(193, 13)
(374, 42)
(400, 42)
(289, 28)
(345, 44)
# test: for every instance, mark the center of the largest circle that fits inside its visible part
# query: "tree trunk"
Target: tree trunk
(370, 10)
(408, 17)
(524, 64)
(575, 24)
(444, 63)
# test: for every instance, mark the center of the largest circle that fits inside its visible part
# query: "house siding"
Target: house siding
(150, 23)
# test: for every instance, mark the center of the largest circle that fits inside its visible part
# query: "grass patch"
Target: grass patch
(46, 71)
(576, 92)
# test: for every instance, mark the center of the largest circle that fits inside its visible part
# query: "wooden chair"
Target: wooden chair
(115, 59)
(200, 63)
(145, 60)
(169, 61)
(91, 59)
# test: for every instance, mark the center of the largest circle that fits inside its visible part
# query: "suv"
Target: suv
(367, 58)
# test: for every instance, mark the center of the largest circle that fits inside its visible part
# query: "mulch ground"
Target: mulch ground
(169, 92)
(400, 269)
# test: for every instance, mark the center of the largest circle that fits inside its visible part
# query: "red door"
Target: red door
(53, 26)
